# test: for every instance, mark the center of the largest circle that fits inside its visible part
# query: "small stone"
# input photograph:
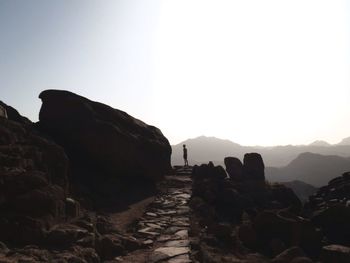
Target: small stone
(151, 214)
(183, 234)
(148, 242)
(154, 226)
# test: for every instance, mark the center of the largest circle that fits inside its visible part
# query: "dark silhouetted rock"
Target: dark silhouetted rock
(286, 197)
(109, 247)
(289, 228)
(3, 112)
(335, 253)
(234, 168)
(334, 222)
(253, 167)
(34, 182)
(12, 114)
(104, 144)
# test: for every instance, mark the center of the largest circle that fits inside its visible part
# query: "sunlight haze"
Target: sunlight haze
(254, 72)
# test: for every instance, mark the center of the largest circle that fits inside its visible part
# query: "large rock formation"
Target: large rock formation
(253, 167)
(103, 143)
(243, 212)
(40, 219)
(33, 181)
(234, 168)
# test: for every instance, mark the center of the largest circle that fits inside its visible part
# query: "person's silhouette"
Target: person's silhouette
(185, 155)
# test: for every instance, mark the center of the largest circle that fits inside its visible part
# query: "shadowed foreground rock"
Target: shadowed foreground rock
(40, 217)
(33, 181)
(238, 214)
(105, 145)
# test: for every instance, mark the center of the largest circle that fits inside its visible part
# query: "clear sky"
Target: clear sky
(255, 72)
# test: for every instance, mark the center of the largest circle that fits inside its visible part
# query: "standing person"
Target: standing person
(185, 155)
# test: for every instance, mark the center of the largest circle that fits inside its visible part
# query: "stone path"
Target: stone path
(164, 226)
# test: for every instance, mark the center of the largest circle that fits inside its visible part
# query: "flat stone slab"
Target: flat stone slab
(154, 226)
(180, 259)
(177, 243)
(172, 230)
(165, 253)
(151, 214)
(164, 238)
(183, 196)
(148, 232)
(183, 234)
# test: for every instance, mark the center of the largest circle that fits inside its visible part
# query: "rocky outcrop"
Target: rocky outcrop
(253, 167)
(329, 209)
(105, 145)
(267, 215)
(41, 219)
(234, 168)
(33, 181)
(12, 114)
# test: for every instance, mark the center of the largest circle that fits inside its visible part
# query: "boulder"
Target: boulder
(292, 230)
(286, 197)
(109, 246)
(335, 253)
(63, 235)
(234, 168)
(103, 142)
(253, 167)
(334, 221)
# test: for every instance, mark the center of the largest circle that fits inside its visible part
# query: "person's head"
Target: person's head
(184, 145)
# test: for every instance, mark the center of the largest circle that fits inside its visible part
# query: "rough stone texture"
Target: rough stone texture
(13, 115)
(164, 226)
(329, 209)
(102, 139)
(33, 181)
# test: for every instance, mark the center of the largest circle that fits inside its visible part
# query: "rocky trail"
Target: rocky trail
(165, 224)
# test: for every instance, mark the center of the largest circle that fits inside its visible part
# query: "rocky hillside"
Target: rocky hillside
(241, 218)
(56, 174)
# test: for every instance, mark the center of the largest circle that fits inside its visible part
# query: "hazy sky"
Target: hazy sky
(255, 72)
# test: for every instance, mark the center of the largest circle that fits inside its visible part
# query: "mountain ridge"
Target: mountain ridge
(203, 149)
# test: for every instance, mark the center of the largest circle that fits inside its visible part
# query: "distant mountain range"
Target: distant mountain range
(311, 168)
(203, 149)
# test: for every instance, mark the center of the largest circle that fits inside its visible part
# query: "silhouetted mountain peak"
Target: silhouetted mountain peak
(319, 143)
(345, 141)
(209, 140)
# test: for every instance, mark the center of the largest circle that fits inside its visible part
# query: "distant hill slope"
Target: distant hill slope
(301, 189)
(311, 168)
(203, 149)
(345, 141)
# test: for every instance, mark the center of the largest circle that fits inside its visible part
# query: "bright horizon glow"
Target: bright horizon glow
(254, 72)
